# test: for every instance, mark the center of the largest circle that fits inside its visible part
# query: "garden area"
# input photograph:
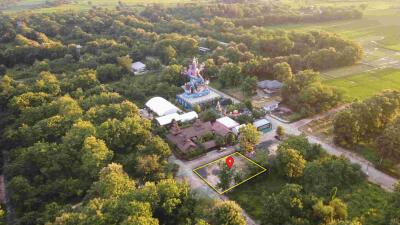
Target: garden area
(221, 178)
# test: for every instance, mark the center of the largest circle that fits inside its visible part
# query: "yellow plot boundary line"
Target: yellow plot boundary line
(236, 153)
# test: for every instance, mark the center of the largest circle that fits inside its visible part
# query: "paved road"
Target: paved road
(374, 175)
(185, 173)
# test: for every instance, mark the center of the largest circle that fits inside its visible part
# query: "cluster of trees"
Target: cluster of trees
(79, 152)
(307, 95)
(93, 39)
(108, 41)
(62, 132)
(375, 120)
(68, 139)
(313, 192)
(140, 89)
(259, 51)
(254, 13)
(117, 199)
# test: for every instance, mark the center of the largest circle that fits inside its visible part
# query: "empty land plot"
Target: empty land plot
(242, 170)
(366, 84)
(345, 71)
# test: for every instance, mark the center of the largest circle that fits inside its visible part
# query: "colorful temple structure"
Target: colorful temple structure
(196, 91)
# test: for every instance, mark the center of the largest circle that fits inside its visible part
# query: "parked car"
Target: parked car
(221, 149)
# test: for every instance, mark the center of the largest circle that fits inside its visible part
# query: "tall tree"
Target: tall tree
(283, 72)
(291, 162)
(249, 137)
(228, 213)
(225, 176)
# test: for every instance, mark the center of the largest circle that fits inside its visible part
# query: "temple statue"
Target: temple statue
(197, 86)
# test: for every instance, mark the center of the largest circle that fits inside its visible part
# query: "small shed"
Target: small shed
(271, 106)
(138, 67)
(263, 125)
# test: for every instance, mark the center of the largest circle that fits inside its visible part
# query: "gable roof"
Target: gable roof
(269, 84)
(227, 122)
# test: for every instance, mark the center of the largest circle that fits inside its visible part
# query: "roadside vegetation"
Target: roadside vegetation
(318, 183)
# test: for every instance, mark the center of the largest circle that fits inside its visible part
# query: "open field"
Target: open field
(366, 84)
(40, 6)
(379, 34)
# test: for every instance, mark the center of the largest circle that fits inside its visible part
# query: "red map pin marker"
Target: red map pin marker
(229, 161)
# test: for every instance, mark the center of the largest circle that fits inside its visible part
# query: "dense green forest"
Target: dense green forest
(75, 147)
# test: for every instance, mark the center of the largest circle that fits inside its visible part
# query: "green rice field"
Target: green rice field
(366, 84)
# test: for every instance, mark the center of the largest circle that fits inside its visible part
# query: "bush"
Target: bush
(220, 140)
(259, 113)
(322, 175)
(309, 151)
(209, 115)
(153, 64)
(196, 152)
(230, 139)
(244, 119)
(207, 137)
(109, 72)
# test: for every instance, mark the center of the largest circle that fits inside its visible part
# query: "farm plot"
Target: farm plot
(366, 84)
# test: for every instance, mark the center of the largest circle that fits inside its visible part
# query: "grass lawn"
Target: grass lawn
(362, 197)
(344, 71)
(248, 195)
(364, 85)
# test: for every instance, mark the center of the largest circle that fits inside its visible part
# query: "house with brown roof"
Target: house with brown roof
(185, 139)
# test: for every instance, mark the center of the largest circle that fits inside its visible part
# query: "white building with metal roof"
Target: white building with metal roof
(165, 120)
(161, 106)
(227, 122)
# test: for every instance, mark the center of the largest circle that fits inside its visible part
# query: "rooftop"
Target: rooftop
(269, 84)
(206, 98)
(138, 66)
(184, 138)
(161, 106)
(261, 122)
(165, 120)
(228, 122)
